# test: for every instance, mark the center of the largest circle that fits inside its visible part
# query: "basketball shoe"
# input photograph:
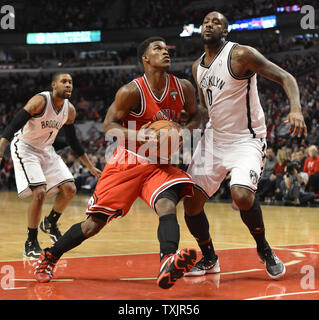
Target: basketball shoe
(45, 266)
(274, 267)
(175, 265)
(51, 229)
(204, 266)
(32, 249)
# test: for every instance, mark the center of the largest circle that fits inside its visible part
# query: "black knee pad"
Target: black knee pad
(171, 193)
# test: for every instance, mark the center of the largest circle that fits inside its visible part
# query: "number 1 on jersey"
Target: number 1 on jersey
(209, 96)
(49, 136)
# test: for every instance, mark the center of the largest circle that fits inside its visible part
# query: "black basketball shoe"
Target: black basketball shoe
(274, 267)
(51, 229)
(204, 266)
(32, 249)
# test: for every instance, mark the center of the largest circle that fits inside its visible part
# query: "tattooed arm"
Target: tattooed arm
(246, 60)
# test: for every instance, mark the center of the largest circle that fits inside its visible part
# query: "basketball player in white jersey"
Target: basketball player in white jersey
(39, 171)
(235, 137)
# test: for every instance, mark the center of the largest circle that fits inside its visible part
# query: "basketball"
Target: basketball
(168, 139)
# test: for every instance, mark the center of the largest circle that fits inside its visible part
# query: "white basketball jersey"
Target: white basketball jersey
(40, 131)
(233, 103)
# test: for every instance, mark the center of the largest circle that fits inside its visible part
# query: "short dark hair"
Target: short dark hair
(144, 46)
(56, 75)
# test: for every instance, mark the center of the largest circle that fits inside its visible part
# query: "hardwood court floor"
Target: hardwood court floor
(122, 261)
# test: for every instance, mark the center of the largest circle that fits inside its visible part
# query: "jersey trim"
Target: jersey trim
(20, 159)
(217, 54)
(179, 89)
(248, 109)
(243, 186)
(229, 66)
(143, 101)
(202, 190)
(44, 109)
(53, 105)
(59, 184)
(165, 186)
(151, 92)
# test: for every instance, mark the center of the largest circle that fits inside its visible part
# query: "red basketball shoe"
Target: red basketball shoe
(45, 266)
(175, 265)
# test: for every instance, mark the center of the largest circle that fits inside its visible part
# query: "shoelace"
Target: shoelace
(47, 265)
(53, 227)
(270, 256)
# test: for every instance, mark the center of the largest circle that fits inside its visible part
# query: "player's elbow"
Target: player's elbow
(288, 78)
(107, 125)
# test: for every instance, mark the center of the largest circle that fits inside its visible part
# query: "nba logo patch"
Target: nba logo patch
(220, 62)
(253, 176)
(173, 94)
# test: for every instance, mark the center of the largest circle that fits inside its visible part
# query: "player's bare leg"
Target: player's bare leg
(32, 248)
(63, 198)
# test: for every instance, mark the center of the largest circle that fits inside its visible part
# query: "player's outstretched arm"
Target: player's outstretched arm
(246, 60)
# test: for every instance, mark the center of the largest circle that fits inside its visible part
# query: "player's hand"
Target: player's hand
(297, 124)
(145, 134)
(96, 172)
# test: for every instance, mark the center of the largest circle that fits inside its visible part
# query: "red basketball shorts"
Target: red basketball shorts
(122, 183)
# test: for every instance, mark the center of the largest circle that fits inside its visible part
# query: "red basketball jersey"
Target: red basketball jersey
(168, 107)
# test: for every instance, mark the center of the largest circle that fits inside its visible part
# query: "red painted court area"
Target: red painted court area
(133, 277)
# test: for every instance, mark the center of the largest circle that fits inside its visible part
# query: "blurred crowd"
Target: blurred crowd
(72, 15)
(289, 177)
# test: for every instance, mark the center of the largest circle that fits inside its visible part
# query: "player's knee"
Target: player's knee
(243, 198)
(165, 206)
(69, 189)
(39, 193)
(92, 226)
(191, 208)
(194, 205)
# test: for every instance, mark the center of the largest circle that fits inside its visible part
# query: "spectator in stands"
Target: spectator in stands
(312, 168)
(292, 185)
(267, 181)
(310, 163)
(279, 170)
(300, 156)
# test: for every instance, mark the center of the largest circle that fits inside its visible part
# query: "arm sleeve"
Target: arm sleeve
(20, 119)
(72, 139)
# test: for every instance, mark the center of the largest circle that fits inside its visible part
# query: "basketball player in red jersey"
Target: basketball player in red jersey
(155, 96)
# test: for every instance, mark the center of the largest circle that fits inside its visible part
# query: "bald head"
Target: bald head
(214, 28)
(220, 16)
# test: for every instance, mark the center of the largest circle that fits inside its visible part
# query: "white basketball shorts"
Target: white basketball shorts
(34, 167)
(213, 160)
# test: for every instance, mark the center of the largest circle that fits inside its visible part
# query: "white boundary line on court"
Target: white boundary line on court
(275, 247)
(222, 273)
(281, 295)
